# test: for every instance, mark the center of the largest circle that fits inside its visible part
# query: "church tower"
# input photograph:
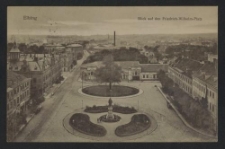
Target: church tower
(14, 53)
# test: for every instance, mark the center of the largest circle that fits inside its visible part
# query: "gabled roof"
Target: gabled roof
(208, 74)
(184, 64)
(14, 50)
(31, 64)
(14, 78)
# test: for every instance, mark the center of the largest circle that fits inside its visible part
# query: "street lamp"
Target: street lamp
(82, 103)
(138, 103)
(82, 78)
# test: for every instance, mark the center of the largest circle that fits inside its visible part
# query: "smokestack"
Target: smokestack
(114, 38)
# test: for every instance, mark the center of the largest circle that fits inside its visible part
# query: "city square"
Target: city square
(112, 77)
(47, 126)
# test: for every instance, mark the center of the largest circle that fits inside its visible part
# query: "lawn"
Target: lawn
(138, 124)
(104, 91)
(81, 122)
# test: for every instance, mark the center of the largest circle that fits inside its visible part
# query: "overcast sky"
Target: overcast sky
(104, 20)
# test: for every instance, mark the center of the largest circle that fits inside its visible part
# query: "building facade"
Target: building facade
(131, 70)
(199, 80)
(43, 69)
(18, 98)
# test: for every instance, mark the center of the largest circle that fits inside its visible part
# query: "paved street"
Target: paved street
(47, 126)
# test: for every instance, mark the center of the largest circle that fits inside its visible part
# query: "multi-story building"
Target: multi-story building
(212, 57)
(44, 69)
(54, 48)
(131, 70)
(67, 60)
(205, 85)
(181, 73)
(75, 49)
(197, 79)
(18, 97)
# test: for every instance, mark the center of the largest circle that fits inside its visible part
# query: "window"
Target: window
(135, 73)
(212, 95)
(146, 76)
(14, 102)
(34, 80)
(143, 76)
(18, 100)
(213, 108)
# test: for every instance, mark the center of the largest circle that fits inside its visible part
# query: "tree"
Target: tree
(22, 47)
(109, 73)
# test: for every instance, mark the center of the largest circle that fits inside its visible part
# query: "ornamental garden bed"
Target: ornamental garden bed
(138, 124)
(115, 119)
(104, 91)
(116, 108)
(81, 122)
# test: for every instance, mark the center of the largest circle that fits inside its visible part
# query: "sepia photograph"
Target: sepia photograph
(112, 74)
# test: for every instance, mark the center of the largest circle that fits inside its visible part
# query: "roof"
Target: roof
(184, 64)
(53, 45)
(94, 64)
(208, 74)
(15, 49)
(130, 64)
(153, 67)
(31, 64)
(74, 46)
(14, 78)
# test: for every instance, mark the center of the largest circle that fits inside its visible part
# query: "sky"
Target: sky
(104, 20)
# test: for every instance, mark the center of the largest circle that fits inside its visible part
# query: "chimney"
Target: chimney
(114, 38)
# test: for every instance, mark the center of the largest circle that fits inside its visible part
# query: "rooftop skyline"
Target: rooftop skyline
(104, 20)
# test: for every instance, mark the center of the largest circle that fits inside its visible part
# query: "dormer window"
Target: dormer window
(35, 68)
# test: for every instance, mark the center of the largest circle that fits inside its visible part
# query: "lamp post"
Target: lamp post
(82, 79)
(138, 104)
(82, 104)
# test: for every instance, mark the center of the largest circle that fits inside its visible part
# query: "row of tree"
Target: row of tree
(195, 111)
(122, 54)
(27, 49)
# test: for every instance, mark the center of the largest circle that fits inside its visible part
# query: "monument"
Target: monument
(110, 108)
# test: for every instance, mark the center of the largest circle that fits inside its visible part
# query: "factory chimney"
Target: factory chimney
(114, 38)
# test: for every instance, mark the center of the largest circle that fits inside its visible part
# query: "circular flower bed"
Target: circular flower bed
(104, 91)
(81, 122)
(138, 124)
(116, 118)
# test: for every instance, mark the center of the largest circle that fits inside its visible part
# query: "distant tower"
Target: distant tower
(14, 53)
(114, 38)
